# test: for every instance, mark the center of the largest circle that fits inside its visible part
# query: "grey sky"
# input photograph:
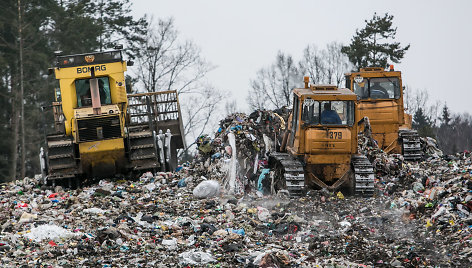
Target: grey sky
(240, 37)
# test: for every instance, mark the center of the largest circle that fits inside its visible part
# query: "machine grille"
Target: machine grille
(101, 128)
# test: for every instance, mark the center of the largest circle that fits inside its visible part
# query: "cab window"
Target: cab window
(296, 104)
(362, 89)
(82, 87)
(347, 82)
(328, 112)
(378, 88)
(384, 88)
(311, 111)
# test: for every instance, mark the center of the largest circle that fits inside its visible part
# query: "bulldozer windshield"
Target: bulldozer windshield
(328, 112)
(82, 87)
(378, 88)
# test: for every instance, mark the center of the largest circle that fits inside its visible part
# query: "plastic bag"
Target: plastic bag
(195, 257)
(207, 189)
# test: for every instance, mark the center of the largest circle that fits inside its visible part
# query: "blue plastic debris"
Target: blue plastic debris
(261, 178)
(181, 183)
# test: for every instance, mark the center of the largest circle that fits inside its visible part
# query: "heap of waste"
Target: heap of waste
(212, 213)
(239, 151)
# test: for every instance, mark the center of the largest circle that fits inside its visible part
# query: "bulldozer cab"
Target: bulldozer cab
(323, 132)
(380, 94)
(91, 85)
(323, 122)
(375, 84)
(83, 92)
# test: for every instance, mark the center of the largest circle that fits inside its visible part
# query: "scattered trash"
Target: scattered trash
(182, 183)
(94, 211)
(170, 244)
(48, 231)
(27, 217)
(263, 214)
(420, 216)
(195, 257)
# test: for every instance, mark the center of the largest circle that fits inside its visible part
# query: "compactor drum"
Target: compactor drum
(319, 148)
(100, 130)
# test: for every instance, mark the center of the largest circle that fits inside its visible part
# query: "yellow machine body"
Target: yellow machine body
(67, 77)
(101, 130)
(325, 149)
(98, 133)
(385, 109)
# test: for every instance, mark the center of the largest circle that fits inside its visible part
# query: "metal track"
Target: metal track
(411, 145)
(363, 176)
(291, 171)
(60, 158)
(143, 152)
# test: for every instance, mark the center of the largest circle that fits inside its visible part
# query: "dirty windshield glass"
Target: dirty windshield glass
(328, 112)
(82, 87)
(378, 88)
(384, 88)
(361, 88)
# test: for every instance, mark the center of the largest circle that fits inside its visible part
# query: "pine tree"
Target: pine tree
(373, 45)
(423, 124)
(446, 116)
(82, 26)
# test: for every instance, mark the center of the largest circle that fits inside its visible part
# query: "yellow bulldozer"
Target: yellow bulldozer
(380, 95)
(319, 148)
(100, 130)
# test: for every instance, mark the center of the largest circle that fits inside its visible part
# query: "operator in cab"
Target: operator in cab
(329, 116)
(86, 99)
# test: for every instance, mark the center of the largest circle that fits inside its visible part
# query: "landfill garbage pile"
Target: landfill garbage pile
(239, 151)
(389, 168)
(212, 213)
(162, 220)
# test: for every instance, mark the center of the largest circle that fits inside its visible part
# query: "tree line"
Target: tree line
(452, 131)
(30, 33)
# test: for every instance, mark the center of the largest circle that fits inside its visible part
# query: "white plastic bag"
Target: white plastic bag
(195, 257)
(207, 189)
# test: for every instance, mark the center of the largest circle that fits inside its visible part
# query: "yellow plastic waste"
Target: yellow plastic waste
(340, 195)
(252, 210)
(428, 224)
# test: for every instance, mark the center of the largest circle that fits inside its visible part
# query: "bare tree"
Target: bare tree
(415, 99)
(21, 96)
(313, 65)
(336, 63)
(325, 66)
(273, 85)
(199, 115)
(168, 63)
(231, 106)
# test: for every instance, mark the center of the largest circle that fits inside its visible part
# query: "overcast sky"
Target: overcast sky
(242, 36)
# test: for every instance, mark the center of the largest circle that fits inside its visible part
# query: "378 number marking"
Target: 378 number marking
(336, 135)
